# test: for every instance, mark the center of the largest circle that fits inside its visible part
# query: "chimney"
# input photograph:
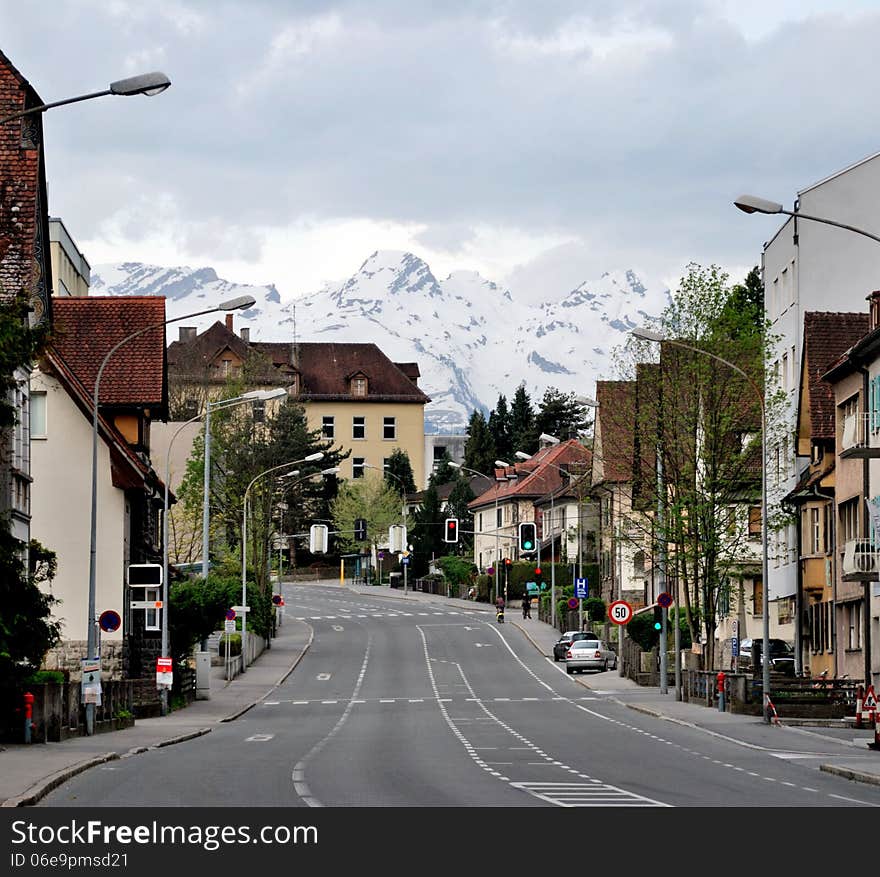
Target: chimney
(229, 322)
(245, 335)
(187, 333)
(874, 305)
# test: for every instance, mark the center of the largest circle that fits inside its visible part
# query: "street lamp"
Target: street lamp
(754, 204)
(252, 396)
(145, 83)
(309, 459)
(244, 301)
(503, 465)
(649, 335)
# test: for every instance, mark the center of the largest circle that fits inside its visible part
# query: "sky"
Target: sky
(539, 143)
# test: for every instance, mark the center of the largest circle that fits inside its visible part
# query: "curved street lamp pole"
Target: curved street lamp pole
(145, 83)
(648, 335)
(231, 305)
(397, 478)
(309, 459)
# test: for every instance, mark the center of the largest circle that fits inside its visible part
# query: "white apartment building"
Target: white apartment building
(811, 266)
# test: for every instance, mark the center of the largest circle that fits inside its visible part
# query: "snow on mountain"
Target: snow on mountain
(470, 337)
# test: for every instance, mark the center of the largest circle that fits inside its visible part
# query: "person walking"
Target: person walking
(527, 605)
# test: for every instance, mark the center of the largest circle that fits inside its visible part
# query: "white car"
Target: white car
(589, 654)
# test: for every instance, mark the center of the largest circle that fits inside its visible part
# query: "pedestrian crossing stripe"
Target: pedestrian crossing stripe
(591, 794)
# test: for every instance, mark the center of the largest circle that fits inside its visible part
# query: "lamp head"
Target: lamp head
(550, 439)
(502, 464)
(277, 393)
(145, 83)
(523, 455)
(290, 474)
(646, 334)
(586, 400)
(754, 204)
(236, 304)
(333, 470)
(313, 457)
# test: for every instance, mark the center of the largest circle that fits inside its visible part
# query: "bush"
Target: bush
(234, 640)
(41, 677)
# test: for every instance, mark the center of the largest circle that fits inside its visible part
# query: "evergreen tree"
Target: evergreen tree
(427, 531)
(479, 451)
(399, 473)
(457, 507)
(499, 427)
(561, 416)
(523, 434)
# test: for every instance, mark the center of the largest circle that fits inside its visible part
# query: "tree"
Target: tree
(457, 507)
(444, 473)
(523, 433)
(479, 450)
(561, 416)
(370, 498)
(703, 419)
(399, 473)
(427, 530)
(26, 629)
(499, 427)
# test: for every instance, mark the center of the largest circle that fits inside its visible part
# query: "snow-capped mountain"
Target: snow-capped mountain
(470, 337)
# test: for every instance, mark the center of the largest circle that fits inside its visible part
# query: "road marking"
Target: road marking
(322, 677)
(271, 702)
(259, 738)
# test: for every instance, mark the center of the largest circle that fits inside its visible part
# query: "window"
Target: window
(439, 452)
(359, 427)
(481, 522)
(854, 625)
(389, 427)
(816, 453)
(259, 410)
(785, 384)
(755, 523)
(498, 517)
(328, 427)
(38, 415)
(357, 466)
(815, 532)
(849, 520)
(151, 616)
(359, 386)
(190, 408)
(757, 598)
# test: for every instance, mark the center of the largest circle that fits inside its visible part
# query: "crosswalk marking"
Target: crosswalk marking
(592, 794)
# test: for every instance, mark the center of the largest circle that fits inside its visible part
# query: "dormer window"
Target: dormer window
(359, 386)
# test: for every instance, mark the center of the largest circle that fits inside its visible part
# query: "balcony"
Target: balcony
(860, 561)
(859, 430)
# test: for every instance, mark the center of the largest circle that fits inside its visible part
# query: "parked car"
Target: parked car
(589, 654)
(781, 655)
(560, 647)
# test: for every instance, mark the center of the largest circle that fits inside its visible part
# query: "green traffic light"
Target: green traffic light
(527, 545)
(658, 625)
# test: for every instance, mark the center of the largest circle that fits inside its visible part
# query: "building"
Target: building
(352, 394)
(801, 263)
(25, 271)
(130, 495)
(439, 447)
(499, 510)
(71, 272)
(826, 337)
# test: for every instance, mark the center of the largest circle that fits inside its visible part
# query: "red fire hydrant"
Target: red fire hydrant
(720, 679)
(28, 715)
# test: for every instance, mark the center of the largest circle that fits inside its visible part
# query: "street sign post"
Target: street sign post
(109, 621)
(91, 681)
(620, 612)
(572, 603)
(664, 600)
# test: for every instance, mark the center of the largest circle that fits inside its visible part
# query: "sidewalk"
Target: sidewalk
(28, 773)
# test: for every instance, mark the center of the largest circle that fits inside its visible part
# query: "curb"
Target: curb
(41, 789)
(849, 774)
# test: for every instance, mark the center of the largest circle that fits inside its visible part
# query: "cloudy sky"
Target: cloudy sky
(540, 143)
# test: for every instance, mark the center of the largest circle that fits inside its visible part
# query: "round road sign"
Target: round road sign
(620, 612)
(230, 614)
(664, 600)
(109, 621)
(572, 603)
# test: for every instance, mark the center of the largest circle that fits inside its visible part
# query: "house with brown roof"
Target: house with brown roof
(854, 379)
(826, 336)
(130, 495)
(25, 270)
(518, 491)
(352, 394)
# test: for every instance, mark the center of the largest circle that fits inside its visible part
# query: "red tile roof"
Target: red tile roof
(86, 329)
(827, 336)
(537, 476)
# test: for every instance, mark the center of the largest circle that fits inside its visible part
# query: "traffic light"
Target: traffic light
(528, 537)
(658, 618)
(360, 529)
(451, 532)
(538, 577)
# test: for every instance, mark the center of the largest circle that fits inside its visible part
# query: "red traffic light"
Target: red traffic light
(538, 571)
(507, 561)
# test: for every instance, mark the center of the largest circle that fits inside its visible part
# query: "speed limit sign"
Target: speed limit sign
(620, 612)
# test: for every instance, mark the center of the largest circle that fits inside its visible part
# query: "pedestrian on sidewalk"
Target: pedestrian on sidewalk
(527, 605)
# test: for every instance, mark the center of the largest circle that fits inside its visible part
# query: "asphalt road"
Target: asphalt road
(425, 706)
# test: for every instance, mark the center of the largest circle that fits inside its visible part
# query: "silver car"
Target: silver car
(589, 654)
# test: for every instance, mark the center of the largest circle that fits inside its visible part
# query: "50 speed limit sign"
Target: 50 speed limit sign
(620, 612)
